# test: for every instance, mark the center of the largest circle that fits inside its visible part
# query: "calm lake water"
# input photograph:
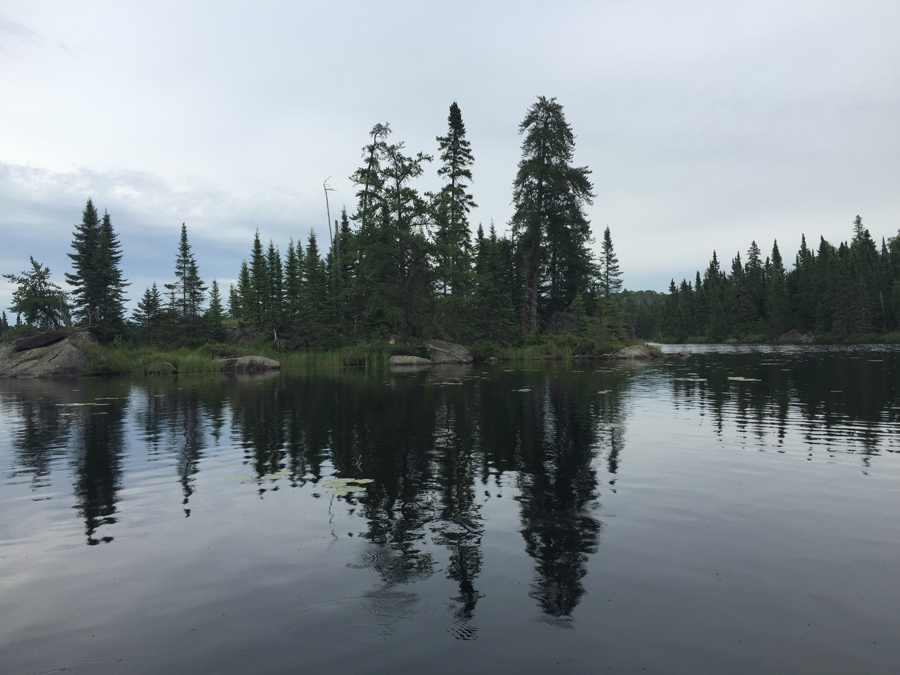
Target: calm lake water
(528, 518)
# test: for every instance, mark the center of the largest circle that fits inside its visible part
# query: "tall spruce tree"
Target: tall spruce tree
(274, 308)
(98, 288)
(549, 226)
(610, 274)
(148, 314)
(451, 204)
(293, 283)
(213, 326)
(259, 284)
(188, 289)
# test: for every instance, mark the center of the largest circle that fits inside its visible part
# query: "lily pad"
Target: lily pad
(346, 489)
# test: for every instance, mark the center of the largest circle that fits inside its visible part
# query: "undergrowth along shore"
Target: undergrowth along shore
(116, 359)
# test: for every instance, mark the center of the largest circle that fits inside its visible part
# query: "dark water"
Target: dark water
(657, 518)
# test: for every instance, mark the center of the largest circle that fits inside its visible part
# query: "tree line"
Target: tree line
(850, 291)
(403, 262)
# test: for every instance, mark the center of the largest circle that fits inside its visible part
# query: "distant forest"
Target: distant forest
(404, 264)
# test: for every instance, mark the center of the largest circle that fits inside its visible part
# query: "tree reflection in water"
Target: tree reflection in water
(437, 445)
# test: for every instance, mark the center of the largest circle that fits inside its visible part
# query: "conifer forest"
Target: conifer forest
(408, 264)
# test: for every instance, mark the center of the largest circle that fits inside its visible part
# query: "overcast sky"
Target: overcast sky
(706, 124)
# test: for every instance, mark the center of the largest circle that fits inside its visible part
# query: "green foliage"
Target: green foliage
(98, 287)
(13, 333)
(550, 228)
(43, 304)
(188, 290)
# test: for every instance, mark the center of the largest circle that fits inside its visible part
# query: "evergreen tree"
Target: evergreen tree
(549, 226)
(777, 300)
(98, 287)
(259, 284)
(245, 295)
(43, 303)
(802, 287)
(496, 297)
(110, 284)
(610, 276)
(314, 282)
(234, 302)
(293, 283)
(452, 204)
(213, 326)
(148, 314)
(4, 323)
(275, 298)
(369, 179)
(188, 289)
(85, 243)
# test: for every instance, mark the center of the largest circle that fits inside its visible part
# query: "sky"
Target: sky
(706, 125)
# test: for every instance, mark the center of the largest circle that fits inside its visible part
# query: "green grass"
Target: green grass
(118, 359)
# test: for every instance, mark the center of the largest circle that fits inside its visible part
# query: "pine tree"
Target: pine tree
(259, 284)
(213, 327)
(452, 203)
(188, 288)
(610, 275)
(149, 312)
(110, 284)
(43, 303)
(314, 287)
(777, 300)
(549, 226)
(234, 302)
(4, 323)
(293, 283)
(98, 287)
(85, 243)
(245, 295)
(275, 298)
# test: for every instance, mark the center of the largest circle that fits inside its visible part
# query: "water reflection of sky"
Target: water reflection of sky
(703, 508)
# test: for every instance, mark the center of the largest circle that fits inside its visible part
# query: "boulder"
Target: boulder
(45, 355)
(160, 368)
(492, 359)
(247, 364)
(635, 352)
(39, 340)
(404, 360)
(448, 352)
(795, 337)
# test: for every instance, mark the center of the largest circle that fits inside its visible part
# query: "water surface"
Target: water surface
(734, 511)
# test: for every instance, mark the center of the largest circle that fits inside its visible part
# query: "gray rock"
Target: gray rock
(160, 368)
(40, 340)
(492, 359)
(635, 352)
(448, 352)
(247, 364)
(403, 360)
(46, 356)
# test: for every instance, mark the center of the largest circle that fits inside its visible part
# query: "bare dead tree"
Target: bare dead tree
(328, 189)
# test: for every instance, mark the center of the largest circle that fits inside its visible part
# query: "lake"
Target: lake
(732, 511)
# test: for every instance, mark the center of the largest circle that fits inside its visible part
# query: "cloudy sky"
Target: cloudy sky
(706, 124)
